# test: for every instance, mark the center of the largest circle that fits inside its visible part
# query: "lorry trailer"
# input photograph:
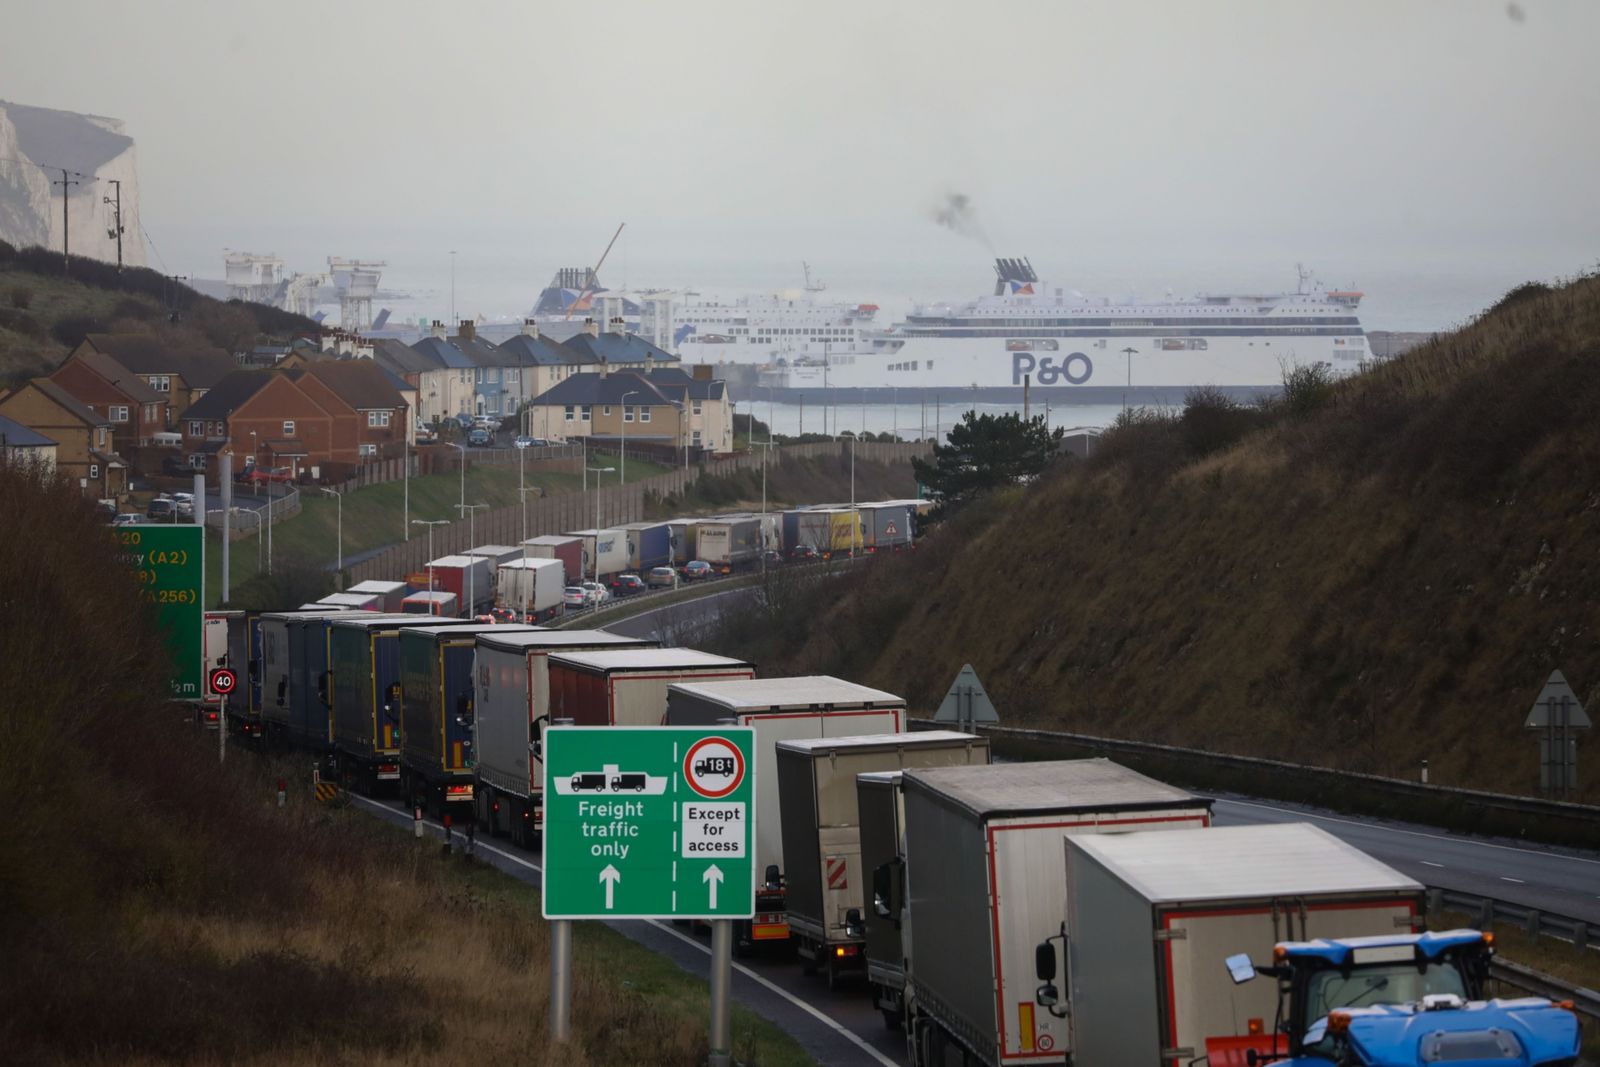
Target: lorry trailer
(354, 601)
(437, 723)
(531, 588)
(984, 886)
(569, 550)
(612, 546)
(628, 687)
(881, 807)
(513, 707)
(244, 658)
(364, 666)
(649, 544)
(438, 604)
(1150, 916)
(781, 709)
(886, 527)
(828, 887)
(729, 542)
(682, 534)
(498, 556)
(470, 578)
(391, 594)
(285, 707)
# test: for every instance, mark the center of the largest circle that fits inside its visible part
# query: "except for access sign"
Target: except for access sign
(649, 822)
(169, 561)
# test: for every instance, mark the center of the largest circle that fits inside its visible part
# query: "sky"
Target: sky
(1104, 140)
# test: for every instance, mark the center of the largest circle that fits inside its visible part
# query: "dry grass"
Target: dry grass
(1386, 579)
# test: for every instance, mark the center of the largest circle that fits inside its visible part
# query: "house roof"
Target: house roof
(593, 388)
(618, 348)
(669, 379)
(401, 358)
(72, 404)
(143, 353)
(15, 435)
(119, 376)
(444, 354)
(360, 383)
(543, 351)
(224, 398)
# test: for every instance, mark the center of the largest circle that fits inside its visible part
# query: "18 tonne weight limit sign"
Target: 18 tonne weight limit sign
(654, 822)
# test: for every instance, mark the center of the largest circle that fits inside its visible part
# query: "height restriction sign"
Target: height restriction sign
(649, 822)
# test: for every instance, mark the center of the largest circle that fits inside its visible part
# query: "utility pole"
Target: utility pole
(116, 219)
(66, 254)
(472, 535)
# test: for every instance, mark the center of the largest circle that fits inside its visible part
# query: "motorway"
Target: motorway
(843, 1028)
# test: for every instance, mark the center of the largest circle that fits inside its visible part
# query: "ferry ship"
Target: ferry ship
(1055, 340)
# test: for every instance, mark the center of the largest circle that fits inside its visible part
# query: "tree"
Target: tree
(986, 452)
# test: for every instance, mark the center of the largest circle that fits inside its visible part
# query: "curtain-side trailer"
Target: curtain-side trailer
(828, 887)
(780, 709)
(437, 727)
(628, 687)
(1151, 918)
(364, 665)
(283, 678)
(984, 887)
(883, 859)
(470, 578)
(513, 707)
(612, 546)
(244, 658)
(649, 544)
(729, 542)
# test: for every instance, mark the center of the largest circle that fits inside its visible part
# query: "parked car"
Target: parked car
(575, 596)
(696, 569)
(597, 593)
(627, 585)
(480, 438)
(464, 421)
(525, 441)
(162, 509)
(127, 518)
(661, 578)
(271, 474)
(244, 473)
(185, 502)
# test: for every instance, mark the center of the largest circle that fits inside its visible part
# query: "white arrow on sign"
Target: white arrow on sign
(713, 875)
(610, 876)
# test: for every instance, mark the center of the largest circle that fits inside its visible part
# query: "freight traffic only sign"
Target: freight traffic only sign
(653, 822)
(169, 562)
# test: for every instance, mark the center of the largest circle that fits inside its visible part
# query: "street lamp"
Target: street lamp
(597, 472)
(472, 536)
(1130, 352)
(623, 480)
(463, 450)
(524, 494)
(430, 524)
(339, 568)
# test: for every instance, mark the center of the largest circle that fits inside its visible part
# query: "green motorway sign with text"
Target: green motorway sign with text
(170, 563)
(649, 822)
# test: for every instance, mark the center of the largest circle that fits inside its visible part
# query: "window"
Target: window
(216, 429)
(377, 418)
(494, 375)
(369, 450)
(697, 437)
(627, 413)
(606, 410)
(513, 375)
(588, 409)
(196, 429)
(119, 413)
(288, 427)
(161, 383)
(644, 414)
(569, 412)
(94, 470)
(697, 407)
(383, 418)
(100, 438)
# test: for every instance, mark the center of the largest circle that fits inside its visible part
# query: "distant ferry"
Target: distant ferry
(1060, 340)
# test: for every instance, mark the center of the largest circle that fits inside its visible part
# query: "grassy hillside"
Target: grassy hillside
(157, 907)
(1365, 576)
(45, 313)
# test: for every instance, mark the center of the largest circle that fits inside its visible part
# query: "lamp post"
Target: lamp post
(463, 450)
(430, 524)
(1130, 352)
(623, 480)
(523, 493)
(339, 537)
(405, 458)
(597, 472)
(471, 511)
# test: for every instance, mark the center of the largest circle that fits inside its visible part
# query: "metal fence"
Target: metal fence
(246, 519)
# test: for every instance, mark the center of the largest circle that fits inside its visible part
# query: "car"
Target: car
(525, 441)
(772, 557)
(185, 502)
(627, 585)
(696, 569)
(598, 594)
(480, 438)
(271, 474)
(127, 518)
(162, 509)
(661, 578)
(804, 552)
(464, 421)
(575, 596)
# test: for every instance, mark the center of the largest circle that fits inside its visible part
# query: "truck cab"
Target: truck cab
(1401, 999)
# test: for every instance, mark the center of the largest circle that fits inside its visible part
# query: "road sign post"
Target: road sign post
(1558, 714)
(649, 823)
(169, 561)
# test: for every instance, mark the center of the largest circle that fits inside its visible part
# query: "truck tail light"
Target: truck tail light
(1255, 1026)
(841, 951)
(457, 791)
(494, 806)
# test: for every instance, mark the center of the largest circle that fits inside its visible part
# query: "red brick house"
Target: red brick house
(178, 369)
(368, 393)
(136, 412)
(83, 438)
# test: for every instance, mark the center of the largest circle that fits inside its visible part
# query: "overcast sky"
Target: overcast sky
(753, 131)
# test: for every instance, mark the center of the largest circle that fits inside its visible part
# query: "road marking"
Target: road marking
(1412, 833)
(1519, 881)
(804, 1005)
(1430, 863)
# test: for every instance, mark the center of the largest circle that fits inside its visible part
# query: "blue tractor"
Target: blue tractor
(1406, 1000)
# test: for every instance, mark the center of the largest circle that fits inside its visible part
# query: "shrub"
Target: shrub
(1212, 420)
(1307, 388)
(1148, 441)
(71, 329)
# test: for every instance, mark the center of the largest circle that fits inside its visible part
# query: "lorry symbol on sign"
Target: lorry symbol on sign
(713, 767)
(721, 766)
(612, 779)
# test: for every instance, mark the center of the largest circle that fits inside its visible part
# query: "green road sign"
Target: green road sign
(649, 822)
(170, 563)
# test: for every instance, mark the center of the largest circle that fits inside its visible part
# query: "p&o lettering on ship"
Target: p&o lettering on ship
(1074, 368)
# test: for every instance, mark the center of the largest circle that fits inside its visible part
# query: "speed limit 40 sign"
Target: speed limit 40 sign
(223, 681)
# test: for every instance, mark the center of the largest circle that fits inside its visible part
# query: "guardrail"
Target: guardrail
(1585, 1002)
(1536, 922)
(1467, 810)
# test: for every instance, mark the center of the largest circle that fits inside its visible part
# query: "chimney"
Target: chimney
(530, 328)
(467, 330)
(618, 326)
(364, 347)
(605, 368)
(649, 361)
(438, 330)
(591, 327)
(702, 372)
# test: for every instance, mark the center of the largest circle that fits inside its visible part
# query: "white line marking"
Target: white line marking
(1412, 833)
(1519, 881)
(1430, 863)
(805, 1006)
